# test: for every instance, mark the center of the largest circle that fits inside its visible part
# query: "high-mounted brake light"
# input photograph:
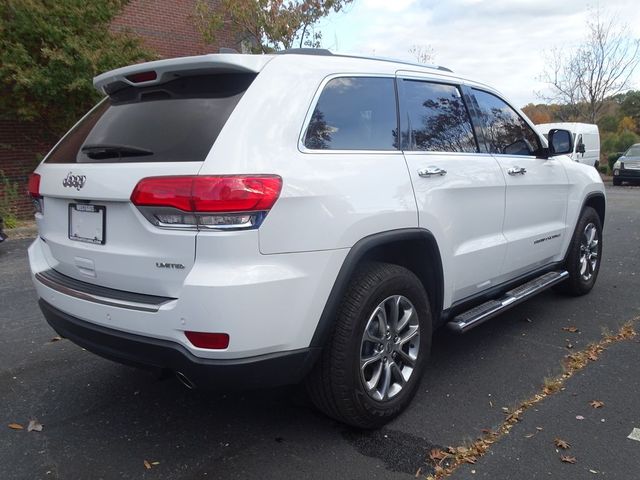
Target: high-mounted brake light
(212, 341)
(34, 185)
(142, 77)
(222, 201)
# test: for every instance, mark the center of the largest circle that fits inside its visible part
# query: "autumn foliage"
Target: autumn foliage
(269, 25)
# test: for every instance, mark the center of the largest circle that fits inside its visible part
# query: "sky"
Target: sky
(498, 42)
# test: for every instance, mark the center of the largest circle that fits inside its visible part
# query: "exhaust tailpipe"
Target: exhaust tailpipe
(184, 380)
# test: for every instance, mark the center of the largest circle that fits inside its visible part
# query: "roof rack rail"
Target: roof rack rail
(305, 51)
(326, 52)
(395, 60)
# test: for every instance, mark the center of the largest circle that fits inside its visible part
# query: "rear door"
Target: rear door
(459, 189)
(537, 188)
(91, 229)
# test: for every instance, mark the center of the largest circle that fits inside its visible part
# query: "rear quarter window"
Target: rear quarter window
(177, 121)
(354, 113)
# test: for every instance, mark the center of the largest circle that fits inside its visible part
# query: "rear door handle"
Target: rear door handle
(517, 171)
(431, 171)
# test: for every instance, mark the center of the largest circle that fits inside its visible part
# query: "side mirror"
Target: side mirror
(580, 148)
(560, 142)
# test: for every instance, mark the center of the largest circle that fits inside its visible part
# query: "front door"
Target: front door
(537, 188)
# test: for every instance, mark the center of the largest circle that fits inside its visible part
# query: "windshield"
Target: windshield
(634, 151)
(177, 121)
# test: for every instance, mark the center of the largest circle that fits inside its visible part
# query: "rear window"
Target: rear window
(177, 121)
(354, 113)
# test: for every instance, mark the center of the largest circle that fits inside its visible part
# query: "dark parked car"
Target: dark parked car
(627, 168)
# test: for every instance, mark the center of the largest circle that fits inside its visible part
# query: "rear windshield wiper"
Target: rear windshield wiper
(114, 151)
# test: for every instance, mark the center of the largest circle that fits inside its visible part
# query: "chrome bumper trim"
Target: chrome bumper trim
(100, 295)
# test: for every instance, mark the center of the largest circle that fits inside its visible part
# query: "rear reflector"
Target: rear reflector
(142, 77)
(34, 185)
(212, 341)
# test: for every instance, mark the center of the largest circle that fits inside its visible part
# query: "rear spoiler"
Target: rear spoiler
(160, 71)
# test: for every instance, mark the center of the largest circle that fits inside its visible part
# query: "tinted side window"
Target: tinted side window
(354, 113)
(436, 118)
(505, 131)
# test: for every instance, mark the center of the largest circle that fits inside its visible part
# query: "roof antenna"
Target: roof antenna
(228, 50)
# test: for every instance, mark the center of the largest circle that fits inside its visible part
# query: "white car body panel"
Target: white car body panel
(473, 186)
(535, 212)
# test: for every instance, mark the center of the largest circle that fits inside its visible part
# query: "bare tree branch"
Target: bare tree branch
(599, 68)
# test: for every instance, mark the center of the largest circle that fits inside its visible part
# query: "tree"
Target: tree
(599, 68)
(423, 53)
(630, 105)
(537, 113)
(50, 50)
(270, 24)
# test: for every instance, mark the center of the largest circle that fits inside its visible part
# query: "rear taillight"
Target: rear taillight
(207, 202)
(34, 185)
(34, 192)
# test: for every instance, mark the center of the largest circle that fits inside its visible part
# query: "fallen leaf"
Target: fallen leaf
(568, 459)
(57, 338)
(15, 426)
(592, 471)
(539, 429)
(155, 463)
(529, 435)
(579, 417)
(571, 329)
(34, 425)
(147, 465)
(437, 455)
(563, 444)
(596, 403)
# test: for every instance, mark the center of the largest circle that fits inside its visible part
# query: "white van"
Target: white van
(586, 140)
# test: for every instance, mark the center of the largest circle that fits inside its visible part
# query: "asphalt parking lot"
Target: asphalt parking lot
(104, 420)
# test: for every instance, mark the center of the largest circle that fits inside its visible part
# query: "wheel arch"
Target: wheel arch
(413, 248)
(596, 200)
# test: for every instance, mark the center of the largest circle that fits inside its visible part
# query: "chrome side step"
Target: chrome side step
(477, 315)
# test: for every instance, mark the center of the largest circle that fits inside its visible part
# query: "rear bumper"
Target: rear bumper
(146, 352)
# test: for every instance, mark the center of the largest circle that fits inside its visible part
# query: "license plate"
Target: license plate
(87, 223)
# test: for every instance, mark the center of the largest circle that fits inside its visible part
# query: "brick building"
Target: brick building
(165, 26)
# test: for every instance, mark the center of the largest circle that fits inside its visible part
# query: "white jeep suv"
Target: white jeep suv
(252, 220)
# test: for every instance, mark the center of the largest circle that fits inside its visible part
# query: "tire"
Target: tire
(617, 182)
(582, 254)
(336, 385)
